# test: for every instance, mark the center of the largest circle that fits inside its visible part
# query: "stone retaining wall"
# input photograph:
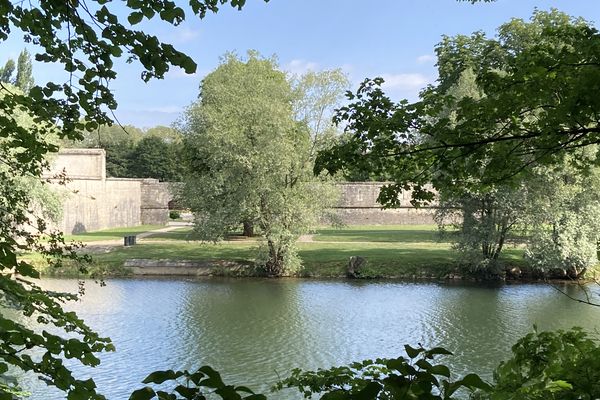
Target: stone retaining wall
(94, 202)
(358, 206)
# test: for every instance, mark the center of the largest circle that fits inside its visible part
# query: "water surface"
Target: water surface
(254, 331)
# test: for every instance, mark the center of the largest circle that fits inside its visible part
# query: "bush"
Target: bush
(174, 214)
(561, 365)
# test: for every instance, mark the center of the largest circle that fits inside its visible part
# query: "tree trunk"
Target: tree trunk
(248, 228)
(274, 266)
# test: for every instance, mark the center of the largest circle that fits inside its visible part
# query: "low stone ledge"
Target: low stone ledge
(140, 266)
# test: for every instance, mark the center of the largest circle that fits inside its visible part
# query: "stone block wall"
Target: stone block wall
(358, 206)
(94, 202)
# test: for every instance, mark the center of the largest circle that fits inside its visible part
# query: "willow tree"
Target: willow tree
(249, 160)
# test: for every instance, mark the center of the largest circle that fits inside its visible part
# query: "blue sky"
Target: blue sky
(366, 38)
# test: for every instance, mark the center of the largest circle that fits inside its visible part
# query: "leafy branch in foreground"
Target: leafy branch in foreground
(85, 38)
(535, 103)
(415, 377)
(561, 365)
(193, 386)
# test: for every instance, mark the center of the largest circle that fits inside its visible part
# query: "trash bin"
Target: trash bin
(129, 240)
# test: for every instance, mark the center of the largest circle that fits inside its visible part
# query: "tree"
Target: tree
(85, 39)
(7, 71)
(483, 215)
(152, 157)
(24, 77)
(539, 80)
(316, 96)
(166, 133)
(563, 216)
(249, 160)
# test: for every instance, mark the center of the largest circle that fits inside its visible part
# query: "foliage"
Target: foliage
(7, 71)
(85, 38)
(24, 77)
(153, 157)
(316, 95)
(415, 377)
(31, 317)
(174, 214)
(538, 81)
(199, 385)
(557, 365)
(483, 223)
(133, 153)
(563, 217)
(250, 161)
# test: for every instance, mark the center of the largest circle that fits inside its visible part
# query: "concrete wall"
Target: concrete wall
(91, 201)
(95, 204)
(155, 197)
(79, 164)
(358, 206)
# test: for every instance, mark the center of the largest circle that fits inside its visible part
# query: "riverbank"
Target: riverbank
(409, 252)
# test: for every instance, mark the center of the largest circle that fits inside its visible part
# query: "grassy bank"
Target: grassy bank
(391, 251)
(111, 234)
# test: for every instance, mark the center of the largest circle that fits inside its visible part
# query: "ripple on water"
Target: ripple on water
(255, 331)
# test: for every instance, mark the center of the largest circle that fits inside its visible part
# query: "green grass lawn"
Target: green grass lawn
(391, 251)
(379, 233)
(112, 234)
(184, 233)
(358, 233)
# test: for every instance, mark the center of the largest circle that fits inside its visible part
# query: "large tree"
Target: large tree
(85, 37)
(23, 79)
(249, 159)
(539, 81)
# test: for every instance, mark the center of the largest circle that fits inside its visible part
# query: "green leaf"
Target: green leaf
(439, 351)
(159, 377)
(440, 370)
(135, 17)
(369, 392)
(411, 351)
(473, 381)
(143, 394)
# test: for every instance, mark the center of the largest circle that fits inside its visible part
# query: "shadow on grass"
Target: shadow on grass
(110, 234)
(383, 235)
(178, 251)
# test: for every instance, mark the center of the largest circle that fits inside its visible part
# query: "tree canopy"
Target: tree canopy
(538, 82)
(250, 159)
(85, 37)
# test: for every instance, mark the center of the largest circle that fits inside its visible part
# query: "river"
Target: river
(254, 331)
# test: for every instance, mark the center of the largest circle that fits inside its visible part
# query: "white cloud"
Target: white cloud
(184, 35)
(299, 67)
(405, 81)
(426, 58)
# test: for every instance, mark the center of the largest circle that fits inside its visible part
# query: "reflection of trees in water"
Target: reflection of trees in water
(481, 324)
(252, 330)
(245, 327)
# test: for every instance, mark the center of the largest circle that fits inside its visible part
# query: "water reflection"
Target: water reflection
(257, 330)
